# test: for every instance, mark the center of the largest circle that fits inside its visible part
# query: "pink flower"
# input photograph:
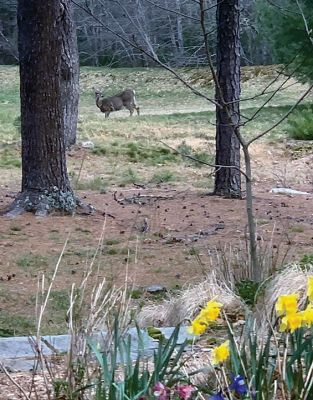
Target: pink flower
(161, 391)
(184, 391)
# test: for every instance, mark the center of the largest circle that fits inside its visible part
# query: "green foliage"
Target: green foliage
(300, 124)
(138, 379)
(163, 176)
(260, 362)
(9, 159)
(15, 324)
(60, 300)
(283, 25)
(32, 261)
(136, 294)
(128, 176)
(306, 260)
(247, 290)
(136, 152)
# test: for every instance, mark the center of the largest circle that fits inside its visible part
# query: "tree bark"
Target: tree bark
(228, 180)
(45, 183)
(69, 73)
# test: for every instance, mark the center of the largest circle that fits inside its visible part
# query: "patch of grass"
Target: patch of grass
(111, 242)
(96, 183)
(152, 154)
(100, 150)
(164, 176)
(297, 229)
(10, 159)
(112, 251)
(261, 222)
(200, 157)
(15, 324)
(136, 294)
(144, 151)
(16, 228)
(128, 176)
(32, 261)
(121, 251)
(59, 300)
(194, 251)
(83, 230)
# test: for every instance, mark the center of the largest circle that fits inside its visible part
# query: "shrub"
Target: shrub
(300, 125)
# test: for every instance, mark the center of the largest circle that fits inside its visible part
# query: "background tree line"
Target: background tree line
(170, 27)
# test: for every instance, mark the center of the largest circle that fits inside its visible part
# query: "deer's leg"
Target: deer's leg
(131, 112)
(138, 110)
(107, 113)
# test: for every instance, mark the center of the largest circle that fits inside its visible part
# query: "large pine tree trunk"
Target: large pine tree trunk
(69, 73)
(45, 183)
(228, 180)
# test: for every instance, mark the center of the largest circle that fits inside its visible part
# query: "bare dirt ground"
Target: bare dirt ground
(161, 234)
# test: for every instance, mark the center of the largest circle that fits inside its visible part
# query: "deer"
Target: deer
(125, 99)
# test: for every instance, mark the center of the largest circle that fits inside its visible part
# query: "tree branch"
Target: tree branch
(282, 119)
(309, 31)
(216, 166)
(172, 11)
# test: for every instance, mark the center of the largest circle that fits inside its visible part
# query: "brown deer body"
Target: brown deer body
(125, 99)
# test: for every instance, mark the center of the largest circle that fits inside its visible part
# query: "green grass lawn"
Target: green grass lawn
(165, 103)
(170, 112)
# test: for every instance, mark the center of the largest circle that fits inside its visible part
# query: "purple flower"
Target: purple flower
(161, 392)
(217, 396)
(238, 385)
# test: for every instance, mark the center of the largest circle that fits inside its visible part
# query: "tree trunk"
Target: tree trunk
(45, 183)
(69, 73)
(228, 180)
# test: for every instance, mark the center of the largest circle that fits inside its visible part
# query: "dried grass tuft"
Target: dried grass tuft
(187, 304)
(292, 279)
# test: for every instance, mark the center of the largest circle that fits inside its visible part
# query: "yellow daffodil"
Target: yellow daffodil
(208, 314)
(310, 288)
(287, 304)
(307, 316)
(211, 312)
(291, 322)
(220, 353)
(197, 327)
(214, 304)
